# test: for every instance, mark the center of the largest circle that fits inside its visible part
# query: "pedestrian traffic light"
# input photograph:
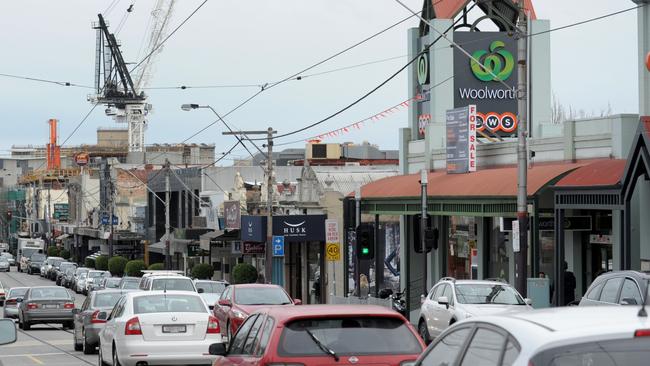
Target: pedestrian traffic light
(365, 242)
(417, 241)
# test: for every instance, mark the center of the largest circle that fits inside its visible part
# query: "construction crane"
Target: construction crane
(114, 84)
(53, 149)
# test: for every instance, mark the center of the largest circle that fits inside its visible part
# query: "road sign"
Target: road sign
(105, 221)
(333, 252)
(278, 246)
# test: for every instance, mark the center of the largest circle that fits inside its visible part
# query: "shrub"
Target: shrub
(157, 266)
(65, 254)
(203, 271)
(134, 268)
(101, 263)
(52, 251)
(89, 262)
(116, 266)
(244, 273)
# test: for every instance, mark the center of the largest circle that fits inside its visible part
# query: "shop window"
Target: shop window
(499, 260)
(460, 243)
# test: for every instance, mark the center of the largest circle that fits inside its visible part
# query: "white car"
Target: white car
(210, 290)
(166, 280)
(93, 278)
(580, 336)
(453, 300)
(159, 328)
(10, 258)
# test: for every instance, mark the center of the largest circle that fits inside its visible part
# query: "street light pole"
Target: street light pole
(168, 257)
(424, 180)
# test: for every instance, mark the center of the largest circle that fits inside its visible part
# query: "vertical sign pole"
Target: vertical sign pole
(424, 180)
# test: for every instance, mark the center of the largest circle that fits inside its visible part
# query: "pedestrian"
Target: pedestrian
(541, 275)
(569, 282)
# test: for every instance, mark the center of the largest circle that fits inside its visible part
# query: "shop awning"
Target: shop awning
(495, 182)
(158, 247)
(597, 174)
(204, 239)
(61, 237)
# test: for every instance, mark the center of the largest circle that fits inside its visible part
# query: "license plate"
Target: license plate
(50, 306)
(174, 329)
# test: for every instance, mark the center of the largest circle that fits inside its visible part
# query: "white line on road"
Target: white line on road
(33, 354)
(60, 342)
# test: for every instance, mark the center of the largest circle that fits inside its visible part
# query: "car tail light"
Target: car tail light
(68, 305)
(95, 320)
(642, 333)
(11, 302)
(213, 325)
(32, 306)
(133, 327)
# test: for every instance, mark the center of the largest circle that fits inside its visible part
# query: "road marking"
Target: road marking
(33, 355)
(59, 342)
(35, 359)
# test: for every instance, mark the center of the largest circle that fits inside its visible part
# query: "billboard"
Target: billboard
(496, 103)
(232, 214)
(461, 140)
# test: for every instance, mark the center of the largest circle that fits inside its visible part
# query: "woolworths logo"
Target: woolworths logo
(498, 62)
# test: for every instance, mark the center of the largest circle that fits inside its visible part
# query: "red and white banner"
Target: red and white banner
(472, 138)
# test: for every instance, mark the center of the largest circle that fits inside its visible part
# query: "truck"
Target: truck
(27, 247)
(4, 247)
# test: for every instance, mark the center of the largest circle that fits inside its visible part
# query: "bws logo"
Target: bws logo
(495, 122)
(498, 62)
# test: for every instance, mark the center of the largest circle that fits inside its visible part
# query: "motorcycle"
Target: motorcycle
(398, 299)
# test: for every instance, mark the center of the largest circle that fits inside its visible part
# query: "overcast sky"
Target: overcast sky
(255, 42)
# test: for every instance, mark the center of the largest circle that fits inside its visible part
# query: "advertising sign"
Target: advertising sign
(299, 228)
(253, 228)
(461, 140)
(81, 159)
(496, 104)
(253, 248)
(422, 106)
(232, 215)
(61, 211)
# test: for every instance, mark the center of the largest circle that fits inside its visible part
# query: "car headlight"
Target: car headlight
(238, 314)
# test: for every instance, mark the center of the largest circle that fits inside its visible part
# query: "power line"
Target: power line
(60, 83)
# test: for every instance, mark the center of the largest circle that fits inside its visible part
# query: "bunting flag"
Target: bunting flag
(363, 123)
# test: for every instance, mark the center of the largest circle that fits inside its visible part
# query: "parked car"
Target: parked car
(166, 280)
(89, 320)
(4, 264)
(77, 273)
(35, 262)
(238, 301)
(80, 286)
(60, 271)
(110, 283)
(129, 283)
(8, 332)
(10, 309)
(46, 304)
(617, 288)
(549, 337)
(10, 258)
(2, 294)
(322, 335)
(452, 300)
(68, 276)
(93, 279)
(49, 266)
(158, 327)
(54, 270)
(210, 291)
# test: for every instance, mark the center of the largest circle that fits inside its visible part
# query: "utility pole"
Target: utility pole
(521, 256)
(357, 262)
(111, 202)
(424, 180)
(168, 257)
(268, 268)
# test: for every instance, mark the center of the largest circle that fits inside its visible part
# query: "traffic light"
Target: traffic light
(417, 241)
(365, 242)
(431, 239)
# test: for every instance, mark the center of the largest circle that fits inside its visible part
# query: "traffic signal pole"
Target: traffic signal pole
(424, 180)
(357, 262)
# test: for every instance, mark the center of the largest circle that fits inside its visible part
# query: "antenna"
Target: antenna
(642, 311)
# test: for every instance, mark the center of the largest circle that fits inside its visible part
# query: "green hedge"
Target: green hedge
(89, 262)
(157, 266)
(65, 254)
(202, 271)
(116, 266)
(134, 268)
(101, 263)
(244, 273)
(52, 251)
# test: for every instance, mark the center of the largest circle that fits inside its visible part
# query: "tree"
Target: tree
(116, 266)
(89, 262)
(157, 266)
(244, 273)
(134, 268)
(203, 271)
(101, 263)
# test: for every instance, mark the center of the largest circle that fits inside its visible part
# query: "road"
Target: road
(43, 344)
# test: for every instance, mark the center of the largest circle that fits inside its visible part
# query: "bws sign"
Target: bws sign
(474, 85)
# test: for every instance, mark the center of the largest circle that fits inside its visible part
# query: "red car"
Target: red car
(237, 301)
(322, 335)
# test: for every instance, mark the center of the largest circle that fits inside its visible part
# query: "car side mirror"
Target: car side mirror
(423, 298)
(218, 349)
(103, 315)
(225, 302)
(629, 301)
(443, 300)
(297, 302)
(201, 290)
(20, 299)
(76, 311)
(8, 331)
(528, 301)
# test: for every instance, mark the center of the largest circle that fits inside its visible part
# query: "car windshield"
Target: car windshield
(17, 292)
(130, 284)
(37, 257)
(83, 276)
(628, 352)
(173, 284)
(487, 294)
(49, 293)
(211, 287)
(27, 252)
(112, 283)
(65, 266)
(96, 274)
(106, 300)
(3, 259)
(82, 270)
(261, 296)
(349, 336)
(57, 262)
(8, 255)
(168, 303)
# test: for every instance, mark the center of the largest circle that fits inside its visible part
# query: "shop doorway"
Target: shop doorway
(303, 271)
(599, 259)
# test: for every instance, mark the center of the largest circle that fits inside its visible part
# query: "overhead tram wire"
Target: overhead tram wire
(60, 83)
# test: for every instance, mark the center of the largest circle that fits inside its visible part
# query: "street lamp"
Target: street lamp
(189, 107)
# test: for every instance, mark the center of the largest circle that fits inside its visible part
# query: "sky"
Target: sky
(234, 42)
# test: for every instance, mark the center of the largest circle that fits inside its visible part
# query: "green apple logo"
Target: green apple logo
(498, 62)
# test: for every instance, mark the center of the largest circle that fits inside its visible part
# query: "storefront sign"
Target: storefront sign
(298, 228)
(61, 211)
(571, 223)
(496, 103)
(232, 215)
(253, 228)
(253, 248)
(461, 140)
(600, 239)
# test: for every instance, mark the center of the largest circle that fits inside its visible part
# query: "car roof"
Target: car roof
(212, 281)
(133, 294)
(253, 285)
(480, 282)
(624, 273)
(289, 313)
(169, 277)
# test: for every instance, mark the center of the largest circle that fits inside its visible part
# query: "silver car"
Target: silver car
(75, 277)
(159, 327)
(10, 309)
(451, 300)
(89, 320)
(10, 258)
(80, 283)
(2, 294)
(46, 304)
(210, 291)
(4, 265)
(93, 279)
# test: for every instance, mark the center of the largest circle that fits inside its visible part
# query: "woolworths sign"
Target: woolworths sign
(496, 103)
